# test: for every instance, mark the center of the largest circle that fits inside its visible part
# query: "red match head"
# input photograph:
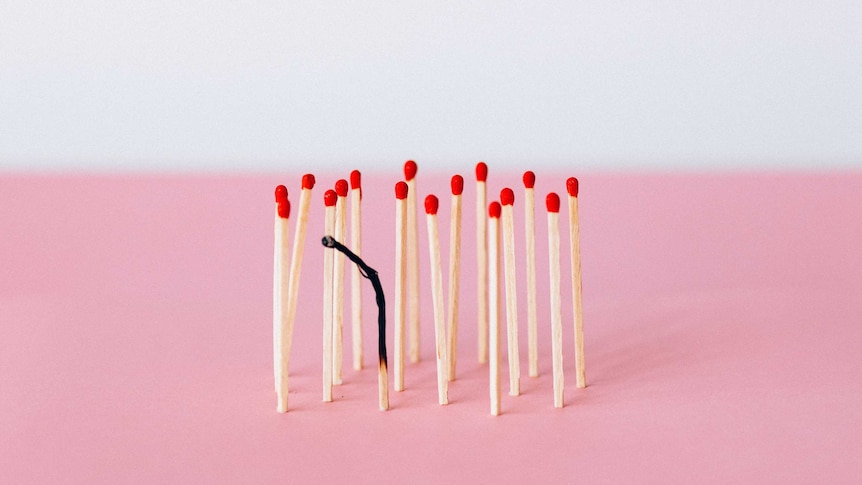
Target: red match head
(529, 179)
(457, 184)
(355, 180)
(308, 181)
(401, 190)
(552, 201)
(572, 186)
(410, 170)
(481, 172)
(330, 198)
(494, 210)
(341, 188)
(507, 197)
(280, 193)
(284, 209)
(431, 204)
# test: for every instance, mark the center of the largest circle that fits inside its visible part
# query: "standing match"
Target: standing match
(577, 300)
(431, 205)
(507, 199)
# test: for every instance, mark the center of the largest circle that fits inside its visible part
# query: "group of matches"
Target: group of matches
(407, 298)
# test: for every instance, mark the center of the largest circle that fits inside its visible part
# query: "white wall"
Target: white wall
(122, 84)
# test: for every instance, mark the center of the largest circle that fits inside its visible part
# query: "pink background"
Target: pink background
(722, 321)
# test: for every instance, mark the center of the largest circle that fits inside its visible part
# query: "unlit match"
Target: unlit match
(330, 198)
(552, 202)
(410, 169)
(355, 277)
(482, 261)
(577, 294)
(507, 199)
(457, 184)
(282, 245)
(530, 240)
(494, 304)
(431, 205)
(400, 280)
(338, 284)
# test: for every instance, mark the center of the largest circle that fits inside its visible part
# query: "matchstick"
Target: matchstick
(494, 303)
(552, 202)
(277, 272)
(400, 260)
(338, 285)
(577, 298)
(410, 169)
(280, 291)
(380, 298)
(431, 205)
(530, 236)
(457, 184)
(507, 199)
(482, 261)
(330, 198)
(296, 266)
(355, 277)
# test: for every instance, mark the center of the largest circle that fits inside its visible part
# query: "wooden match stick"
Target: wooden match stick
(400, 261)
(355, 277)
(277, 272)
(431, 205)
(530, 233)
(482, 260)
(507, 199)
(296, 262)
(457, 184)
(338, 285)
(410, 169)
(577, 298)
(282, 248)
(330, 198)
(552, 202)
(494, 303)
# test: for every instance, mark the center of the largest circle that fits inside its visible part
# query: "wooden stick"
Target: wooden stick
(507, 198)
(457, 184)
(330, 198)
(530, 236)
(494, 303)
(280, 282)
(284, 245)
(431, 205)
(400, 262)
(482, 261)
(412, 261)
(338, 284)
(577, 296)
(296, 265)
(553, 204)
(355, 277)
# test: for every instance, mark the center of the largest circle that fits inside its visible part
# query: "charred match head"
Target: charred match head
(328, 241)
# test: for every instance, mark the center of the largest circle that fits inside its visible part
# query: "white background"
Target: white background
(239, 86)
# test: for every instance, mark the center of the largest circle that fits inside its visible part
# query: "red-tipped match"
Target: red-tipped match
(284, 209)
(355, 180)
(494, 210)
(308, 181)
(280, 193)
(457, 184)
(431, 204)
(481, 172)
(572, 186)
(409, 170)
(341, 188)
(552, 202)
(507, 197)
(529, 179)
(330, 198)
(401, 190)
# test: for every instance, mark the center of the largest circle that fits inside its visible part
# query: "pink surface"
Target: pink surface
(722, 333)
